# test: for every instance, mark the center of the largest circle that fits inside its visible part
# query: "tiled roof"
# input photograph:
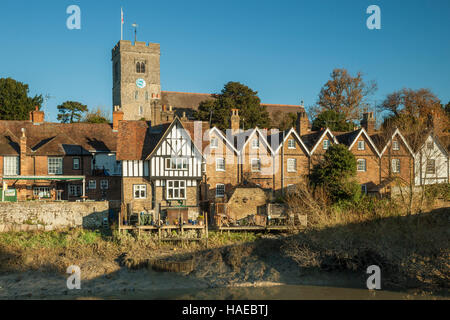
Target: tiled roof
(188, 102)
(50, 138)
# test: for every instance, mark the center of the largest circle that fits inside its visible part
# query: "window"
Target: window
(361, 165)
(431, 166)
(55, 165)
(11, 166)
(136, 95)
(214, 143)
(326, 144)
(220, 190)
(396, 165)
(255, 143)
(92, 184)
(146, 96)
(176, 189)
(395, 146)
(75, 190)
(364, 189)
(41, 192)
(430, 145)
(141, 110)
(291, 144)
(256, 165)
(76, 163)
(220, 164)
(140, 67)
(291, 165)
(361, 145)
(104, 184)
(140, 191)
(176, 164)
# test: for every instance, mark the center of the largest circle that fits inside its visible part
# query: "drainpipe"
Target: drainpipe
(282, 165)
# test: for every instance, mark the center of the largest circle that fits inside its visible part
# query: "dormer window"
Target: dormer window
(361, 145)
(291, 144)
(255, 144)
(326, 144)
(214, 143)
(140, 67)
(395, 145)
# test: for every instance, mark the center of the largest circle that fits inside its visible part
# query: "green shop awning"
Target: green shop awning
(54, 178)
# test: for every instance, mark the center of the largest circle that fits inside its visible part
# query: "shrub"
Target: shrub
(336, 173)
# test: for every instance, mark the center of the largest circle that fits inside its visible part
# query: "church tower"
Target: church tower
(136, 80)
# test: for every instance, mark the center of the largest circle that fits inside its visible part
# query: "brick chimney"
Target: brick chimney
(302, 123)
(235, 120)
(368, 122)
(37, 116)
(23, 153)
(184, 117)
(117, 116)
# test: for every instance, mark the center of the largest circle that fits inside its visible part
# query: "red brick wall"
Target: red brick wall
(229, 177)
(370, 177)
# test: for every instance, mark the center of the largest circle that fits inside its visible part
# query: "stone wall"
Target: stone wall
(245, 202)
(36, 215)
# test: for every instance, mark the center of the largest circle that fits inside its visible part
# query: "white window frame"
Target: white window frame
(361, 145)
(395, 145)
(289, 165)
(255, 143)
(218, 164)
(92, 184)
(176, 186)
(74, 161)
(326, 144)
(214, 143)
(75, 190)
(140, 188)
(358, 167)
(258, 160)
(395, 164)
(42, 192)
(11, 165)
(104, 184)
(58, 166)
(220, 190)
(177, 164)
(291, 144)
(433, 161)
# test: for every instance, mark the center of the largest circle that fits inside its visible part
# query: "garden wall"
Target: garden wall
(37, 215)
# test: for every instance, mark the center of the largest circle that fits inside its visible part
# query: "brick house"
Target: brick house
(43, 160)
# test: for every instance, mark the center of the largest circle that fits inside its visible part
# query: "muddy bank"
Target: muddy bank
(412, 252)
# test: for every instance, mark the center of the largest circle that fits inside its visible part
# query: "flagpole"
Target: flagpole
(121, 23)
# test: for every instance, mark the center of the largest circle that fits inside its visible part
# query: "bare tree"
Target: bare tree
(345, 94)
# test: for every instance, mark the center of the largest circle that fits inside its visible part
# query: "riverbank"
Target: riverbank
(412, 252)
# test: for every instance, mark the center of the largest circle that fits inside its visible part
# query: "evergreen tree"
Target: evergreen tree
(71, 111)
(234, 95)
(336, 173)
(15, 104)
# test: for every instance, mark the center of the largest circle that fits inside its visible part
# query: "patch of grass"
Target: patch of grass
(49, 239)
(224, 238)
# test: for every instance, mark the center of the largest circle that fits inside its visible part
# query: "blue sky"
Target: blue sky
(285, 50)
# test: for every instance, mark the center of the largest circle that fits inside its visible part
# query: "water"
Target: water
(282, 292)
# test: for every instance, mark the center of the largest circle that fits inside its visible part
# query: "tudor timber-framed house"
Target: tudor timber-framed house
(163, 166)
